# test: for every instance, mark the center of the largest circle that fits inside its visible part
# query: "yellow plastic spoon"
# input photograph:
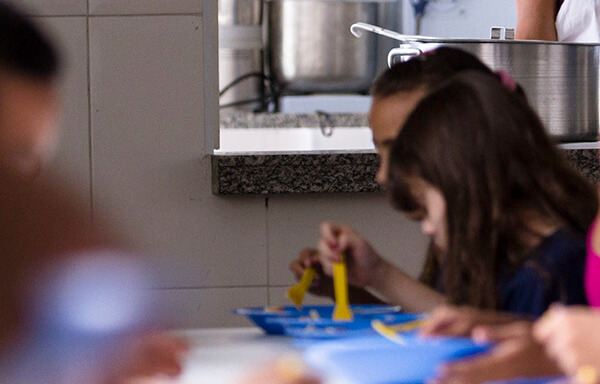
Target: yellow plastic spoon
(392, 332)
(296, 293)
(342, 310)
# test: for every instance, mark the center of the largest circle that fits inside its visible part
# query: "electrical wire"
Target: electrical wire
(272, 96)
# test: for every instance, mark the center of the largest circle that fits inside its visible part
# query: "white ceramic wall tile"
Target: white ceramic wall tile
(73, 157)
(148, 167)
(293, 224)
(277, 298)
(208, 308)
(53, 7)
(144, 7)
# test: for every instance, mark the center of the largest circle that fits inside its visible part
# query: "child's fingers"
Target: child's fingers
(436, 327)
(330, 233)
(309, 257)
(297, 269)
(327, 257)
(326, 254)
(549, 323)
(495, 333)
(347, 240)
(440, 320)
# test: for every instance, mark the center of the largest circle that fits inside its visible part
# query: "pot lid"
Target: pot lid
(358, 28)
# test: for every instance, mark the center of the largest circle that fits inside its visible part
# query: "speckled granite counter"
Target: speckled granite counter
(279, 120)
(319, 171)
(276, 173)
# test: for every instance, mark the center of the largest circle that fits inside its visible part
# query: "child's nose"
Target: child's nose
(381, 176)
(427, 228)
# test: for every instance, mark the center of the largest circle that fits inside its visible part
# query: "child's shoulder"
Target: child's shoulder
(562, 249)
(553, 272)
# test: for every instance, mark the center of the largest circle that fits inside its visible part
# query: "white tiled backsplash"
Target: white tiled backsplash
(54, 7)
(136, 7)
(134, 144)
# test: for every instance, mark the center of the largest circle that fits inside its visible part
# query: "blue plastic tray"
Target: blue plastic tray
(330, 329)
(376, 360)
(263, 317)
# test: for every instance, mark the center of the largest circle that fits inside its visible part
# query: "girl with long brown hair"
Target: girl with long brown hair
(507, 214)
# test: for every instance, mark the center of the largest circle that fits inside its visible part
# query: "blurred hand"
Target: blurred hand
(571, 336)
(362, 261)
(288, 370)
(150, 359)
(515, 357)
(503, 332)
(322, 285)
(461, 321)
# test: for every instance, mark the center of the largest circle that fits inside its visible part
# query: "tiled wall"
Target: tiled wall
(134, 143)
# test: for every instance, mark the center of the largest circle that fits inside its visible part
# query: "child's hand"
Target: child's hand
(322, 285)
(571, 336)
(461, 321)
(361, 259)
(287, 370)
(503, 332)
(519, 357)
(149, 359)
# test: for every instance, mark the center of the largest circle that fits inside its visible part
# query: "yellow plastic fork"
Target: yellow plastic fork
(296, 293)
(392, 332)
(342, 310)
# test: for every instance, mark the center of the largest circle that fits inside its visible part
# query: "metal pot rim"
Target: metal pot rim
(358, 28)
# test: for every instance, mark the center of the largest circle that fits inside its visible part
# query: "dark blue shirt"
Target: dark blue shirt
(553, 273)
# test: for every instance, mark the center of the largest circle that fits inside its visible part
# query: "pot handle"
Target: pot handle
(402, 52)
(357, 29)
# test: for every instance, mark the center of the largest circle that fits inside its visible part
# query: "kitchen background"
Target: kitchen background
(140, 119)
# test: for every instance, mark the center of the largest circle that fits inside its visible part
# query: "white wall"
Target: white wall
(461, 18)
(134, 135)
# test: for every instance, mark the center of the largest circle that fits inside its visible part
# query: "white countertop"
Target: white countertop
(221, 356)
(583, 145)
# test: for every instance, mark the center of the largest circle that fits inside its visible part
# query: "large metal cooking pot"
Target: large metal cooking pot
(561, 80)
(311, 51)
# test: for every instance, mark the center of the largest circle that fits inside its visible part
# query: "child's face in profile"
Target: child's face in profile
(28, 123)
(386, 118)
(432, 212)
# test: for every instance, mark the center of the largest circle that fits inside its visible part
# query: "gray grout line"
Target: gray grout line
(89, 96)
(121, 15)
(211, 287)
(267, 250)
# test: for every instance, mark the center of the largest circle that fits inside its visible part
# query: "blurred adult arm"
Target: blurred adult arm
(536, 20)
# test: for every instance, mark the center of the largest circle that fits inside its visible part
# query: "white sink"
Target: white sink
(294, 139)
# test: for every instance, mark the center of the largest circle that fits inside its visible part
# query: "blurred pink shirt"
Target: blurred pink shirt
(592, 270)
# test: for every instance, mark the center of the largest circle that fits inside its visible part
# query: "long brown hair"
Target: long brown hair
(487, 152)
(428, 71)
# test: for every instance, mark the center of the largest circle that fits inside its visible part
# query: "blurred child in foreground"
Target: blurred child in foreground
(64, 285)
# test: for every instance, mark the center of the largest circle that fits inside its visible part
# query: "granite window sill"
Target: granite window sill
(325, 172)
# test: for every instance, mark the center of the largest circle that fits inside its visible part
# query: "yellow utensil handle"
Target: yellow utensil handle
(340, 282)
(408, 326)
(307, 277)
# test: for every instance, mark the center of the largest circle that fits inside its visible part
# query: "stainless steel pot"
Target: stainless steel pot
(561, 80)
(310, 50)
(241, 51)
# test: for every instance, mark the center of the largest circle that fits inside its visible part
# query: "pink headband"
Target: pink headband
(507, 80)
